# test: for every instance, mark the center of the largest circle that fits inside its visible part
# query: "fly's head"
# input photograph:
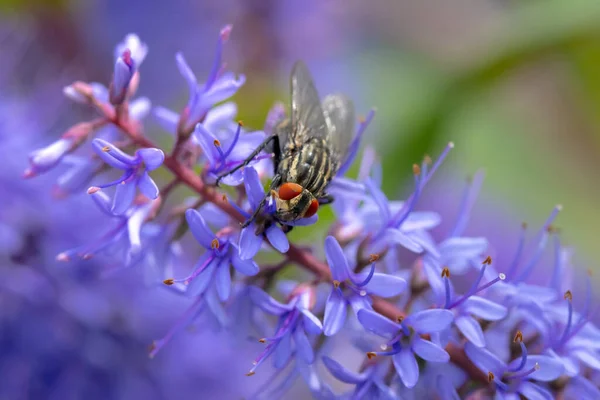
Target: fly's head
(294, 202)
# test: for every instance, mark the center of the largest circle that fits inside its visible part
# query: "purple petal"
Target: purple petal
(203, 235)
(586, 356)
(484, 308)
(303, 346)
(312, 324)
(139, 108)
(457, 251)
(336, 260)
(123, 72)
(147, 186)
(430, 321)
(407, 367)
(267, 303)
(446, 388)
(335, 312)
(244, 267)
(278, 239)
(166, 118)
(114, 156)
(223, 280)
(386, 285)
(531, 391)
(124, 196)
(220, 116)
(187, 73)
(103, 202)
(420, 221)
(471, 330)
(429, 351)
(396, 236)
(222, 89)
(249, 243)
(206, 140)
(485, 360)
(358, 303)
(581, 388)
(254, 188)
(341, 373)
(375, 322)
(380, 200)
(283, 351)
(200, 283)
(153, 158)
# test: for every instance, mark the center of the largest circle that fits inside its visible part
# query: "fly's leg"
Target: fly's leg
(286, 228)
(274, 183)
(326, 199)
(276, 151)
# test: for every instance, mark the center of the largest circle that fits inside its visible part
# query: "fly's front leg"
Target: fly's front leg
(263, 145)
(326, 199)
(274, 183)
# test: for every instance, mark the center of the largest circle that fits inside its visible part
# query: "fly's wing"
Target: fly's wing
(339, 117)
(307, 115)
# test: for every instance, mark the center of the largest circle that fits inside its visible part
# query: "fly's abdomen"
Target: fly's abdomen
(311, 167)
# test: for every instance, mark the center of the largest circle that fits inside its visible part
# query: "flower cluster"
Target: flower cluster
(428, 316)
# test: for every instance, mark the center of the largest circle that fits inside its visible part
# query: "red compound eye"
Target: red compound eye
(312, 209)
(288, 191)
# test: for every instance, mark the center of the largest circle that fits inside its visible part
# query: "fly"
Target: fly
(308, 149)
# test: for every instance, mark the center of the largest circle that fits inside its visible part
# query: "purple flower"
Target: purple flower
(369, 384)
(213, 268)
(405, 341)
(250, 240)
(353, 289)
(468, 306)
(135, 173)
(295, 321)
(515, 377)
(46, 158)
(129, 56)
(129, 227)
(136, 47)
(224, 153)
(218, 87)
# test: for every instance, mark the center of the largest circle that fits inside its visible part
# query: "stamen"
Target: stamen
(355, 144)
(416, 170)
(235, 140)
(542, 239)
(169, 281)
(214, 73)
(522, 375)
(517, 257)
(63, 257)
(366, 280)
(491, 377)
(569, 297)
(472, 292)
(555, 281)
(106, 149)
(128, 174)
(427, 159)
(371, 355)
(446, 278)
(185, 319)
(263, 340)
(336, 284)
(199, 270)
(519, 339)
(93, 189)
(466, 204)
(373, 257)
(487, 261)
(214, 244)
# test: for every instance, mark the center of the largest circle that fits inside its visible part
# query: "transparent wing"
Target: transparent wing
(307, 115)
(339, 117)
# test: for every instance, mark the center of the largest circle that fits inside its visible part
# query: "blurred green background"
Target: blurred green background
(514, 84)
